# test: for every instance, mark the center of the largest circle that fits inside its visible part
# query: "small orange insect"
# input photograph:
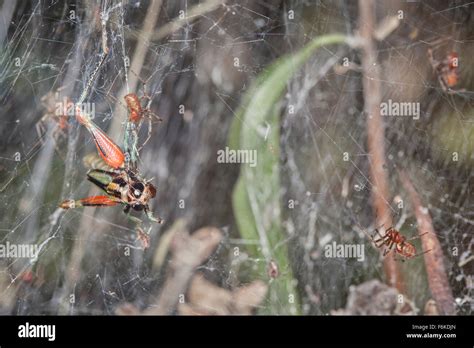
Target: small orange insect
(393, 240)
(447, 70)
(137, 113)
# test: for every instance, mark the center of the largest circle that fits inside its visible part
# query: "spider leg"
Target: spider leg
(403, 259)
(376, 232)
(388, 249)
(381, 240)
(150, 128)
(151, 114)
(416, 237)
(117, 101)
(385, 239)
(421, 253)
(147, 97)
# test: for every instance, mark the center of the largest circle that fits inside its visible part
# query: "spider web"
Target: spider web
(189, 69)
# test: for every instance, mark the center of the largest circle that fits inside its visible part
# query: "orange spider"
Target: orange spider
(393, 240)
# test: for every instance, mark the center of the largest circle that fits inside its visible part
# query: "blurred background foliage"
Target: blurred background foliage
(306, 194)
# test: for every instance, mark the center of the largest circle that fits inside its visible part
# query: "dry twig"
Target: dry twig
(375, 132)
(434, 260)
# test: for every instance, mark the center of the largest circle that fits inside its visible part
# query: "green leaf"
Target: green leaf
(256, 196)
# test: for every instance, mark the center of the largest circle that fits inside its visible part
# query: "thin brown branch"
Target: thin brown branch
(434, 259)
(375, 132)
